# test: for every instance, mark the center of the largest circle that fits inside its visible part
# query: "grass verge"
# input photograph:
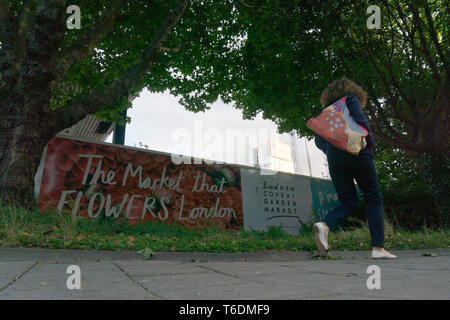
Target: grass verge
(32, 228)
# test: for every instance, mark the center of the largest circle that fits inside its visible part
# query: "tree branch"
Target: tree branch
(427, 54)
(382, 120)
(396, 141)
(251, 6)
(434, 37)
(411, 102)
(411, 33)
(176, 49)
(125, 86)
(83, 48)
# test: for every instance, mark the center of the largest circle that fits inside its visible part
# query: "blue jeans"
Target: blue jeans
(344, 167)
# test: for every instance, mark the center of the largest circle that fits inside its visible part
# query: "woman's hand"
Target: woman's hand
(363, 143)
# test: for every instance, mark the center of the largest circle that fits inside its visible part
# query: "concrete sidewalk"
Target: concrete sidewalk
(27, 273)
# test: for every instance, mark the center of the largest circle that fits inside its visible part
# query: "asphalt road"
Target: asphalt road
(27, 273)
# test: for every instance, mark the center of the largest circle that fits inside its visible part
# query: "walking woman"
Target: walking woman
(345, 168)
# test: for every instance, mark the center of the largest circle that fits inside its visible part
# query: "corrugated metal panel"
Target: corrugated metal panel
(87, 128)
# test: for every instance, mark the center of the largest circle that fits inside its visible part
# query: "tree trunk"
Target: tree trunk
(17, 176)
(22, 141)
(26, 121)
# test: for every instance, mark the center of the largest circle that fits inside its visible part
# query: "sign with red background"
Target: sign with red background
(107, 181)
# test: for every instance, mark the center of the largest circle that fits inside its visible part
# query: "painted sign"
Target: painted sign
(275, 200)
(324, 197)
(99, 180)
(105, 181)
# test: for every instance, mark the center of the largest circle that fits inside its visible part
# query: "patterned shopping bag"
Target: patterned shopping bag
(337, 126)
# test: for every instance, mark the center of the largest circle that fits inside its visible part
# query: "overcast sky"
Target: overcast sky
(161, 123)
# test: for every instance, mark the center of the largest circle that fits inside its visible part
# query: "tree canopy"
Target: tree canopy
(295, 48)
(273, 57)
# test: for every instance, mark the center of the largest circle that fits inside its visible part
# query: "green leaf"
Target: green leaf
(427, 254)
(147, 253)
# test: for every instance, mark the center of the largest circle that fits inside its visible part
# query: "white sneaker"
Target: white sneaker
(321, 232)
(377, 254)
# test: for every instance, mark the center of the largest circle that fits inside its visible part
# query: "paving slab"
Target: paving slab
(190, 286)
(9, 271)
(100, 281)
(157, 268)
(27, 273)
(62, 255)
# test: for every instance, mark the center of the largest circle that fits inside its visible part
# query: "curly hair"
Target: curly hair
(340, 88)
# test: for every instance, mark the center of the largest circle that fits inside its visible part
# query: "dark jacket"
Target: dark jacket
(357, 113)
